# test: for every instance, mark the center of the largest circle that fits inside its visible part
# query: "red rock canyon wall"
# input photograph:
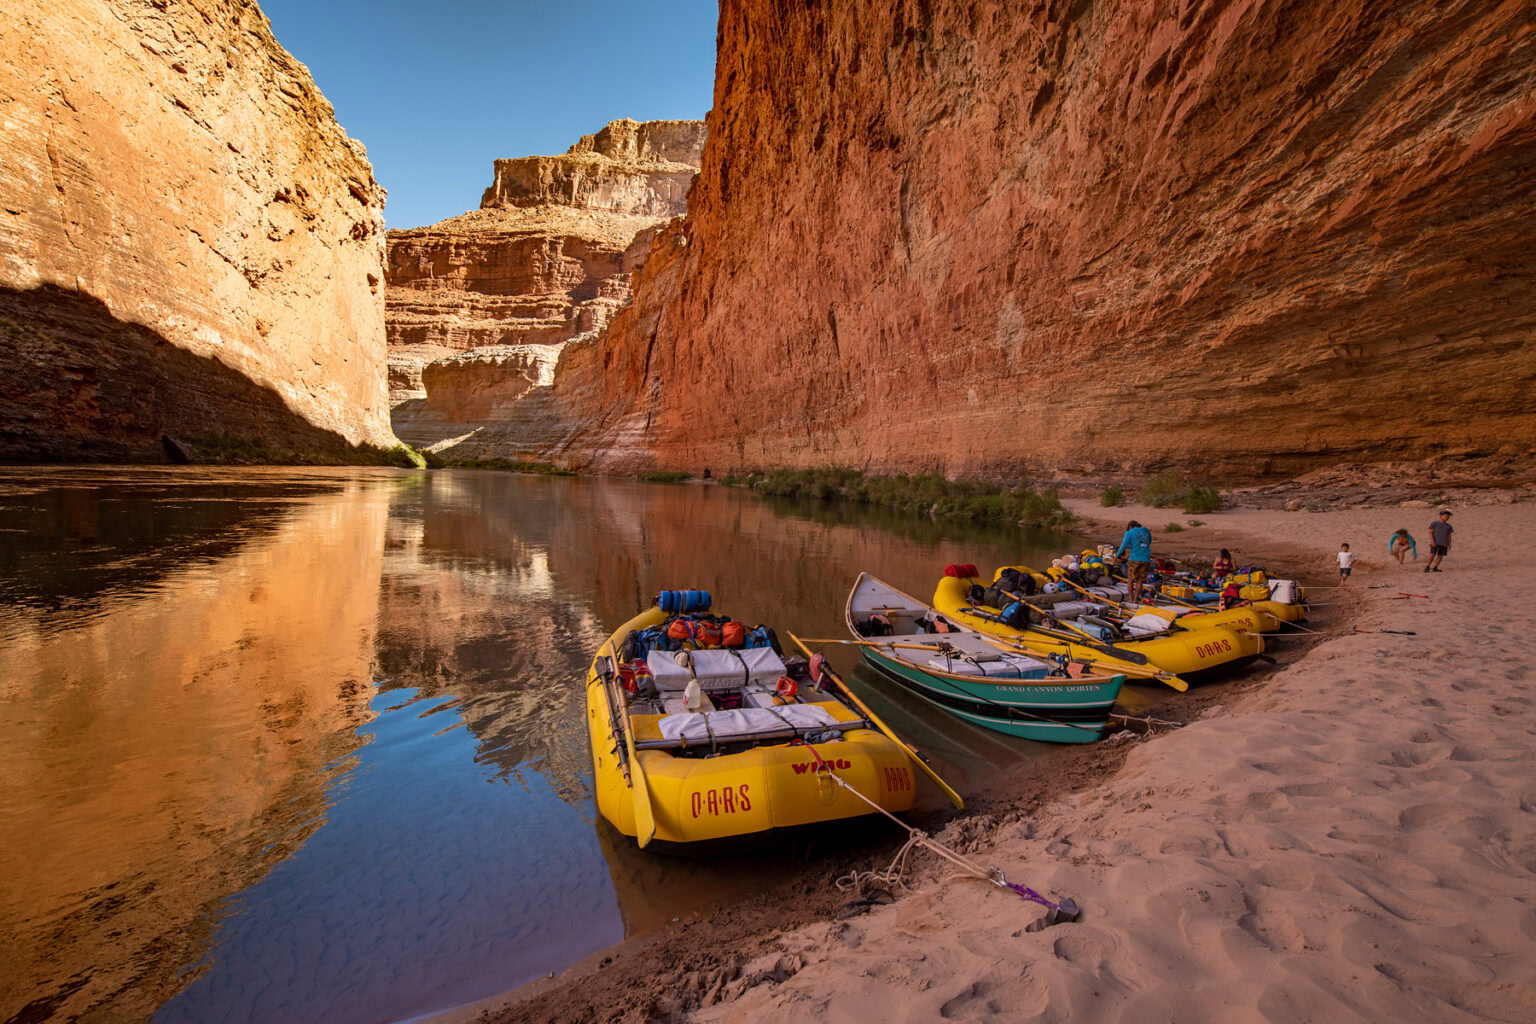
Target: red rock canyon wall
(1228, 235)
(481, 305)
(189, 243)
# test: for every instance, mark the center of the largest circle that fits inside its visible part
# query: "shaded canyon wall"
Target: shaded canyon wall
(1232, 236)
(481, 305)
(189, 243)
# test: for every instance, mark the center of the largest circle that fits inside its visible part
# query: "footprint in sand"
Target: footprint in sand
(1267, 802)
(1428, 815)
(987, 998)
(1412, 758)
(1324, 789)
(1079, 948)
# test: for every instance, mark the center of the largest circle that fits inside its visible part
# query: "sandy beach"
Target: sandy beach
(1354, 840)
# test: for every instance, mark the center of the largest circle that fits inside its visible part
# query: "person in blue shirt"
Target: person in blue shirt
(1400, 544)
(1136, 548)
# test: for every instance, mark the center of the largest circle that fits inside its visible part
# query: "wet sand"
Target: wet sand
(1352, 836)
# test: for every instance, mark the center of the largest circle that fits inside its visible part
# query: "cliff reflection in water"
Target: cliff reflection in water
(298, 745)
(167, 735)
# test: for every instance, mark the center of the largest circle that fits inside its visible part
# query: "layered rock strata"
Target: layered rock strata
(189, 243)
(1232, 237)
(480, 305)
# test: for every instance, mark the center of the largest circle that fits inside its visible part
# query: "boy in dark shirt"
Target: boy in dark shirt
(1439, 540)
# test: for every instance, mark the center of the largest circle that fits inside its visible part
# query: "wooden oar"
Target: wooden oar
(922, 765)
(875, 643)
(1090, 595)
(1116, 667)
(1166, 597)
(640, 790)
(1134, 657)
(1080, 631)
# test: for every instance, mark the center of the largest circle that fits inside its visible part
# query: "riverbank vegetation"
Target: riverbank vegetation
(926, 493)
(1167, 490)
(435, 461)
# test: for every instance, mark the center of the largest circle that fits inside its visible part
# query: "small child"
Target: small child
(1346, 561)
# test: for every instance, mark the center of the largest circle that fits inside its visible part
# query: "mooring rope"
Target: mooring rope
(917, 837)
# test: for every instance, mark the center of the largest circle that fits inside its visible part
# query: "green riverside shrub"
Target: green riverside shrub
(1201, 499)
(926, 493)
(1165, 490)
(507, 466)
(1112, 496)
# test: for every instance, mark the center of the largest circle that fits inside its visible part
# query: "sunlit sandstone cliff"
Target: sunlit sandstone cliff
(1234, 236)
(480, 305)
(189, 243)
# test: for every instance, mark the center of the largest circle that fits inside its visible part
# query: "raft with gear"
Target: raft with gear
(1108, 599)
(1185, 591)
(702, 728)
(1071, 623)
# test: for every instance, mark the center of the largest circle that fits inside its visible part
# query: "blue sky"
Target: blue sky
(438, 90)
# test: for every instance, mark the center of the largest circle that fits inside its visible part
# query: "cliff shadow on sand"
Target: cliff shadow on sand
(86, 386)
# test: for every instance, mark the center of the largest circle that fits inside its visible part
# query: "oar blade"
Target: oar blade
(645, 816)
(819, 670)
(639, 789)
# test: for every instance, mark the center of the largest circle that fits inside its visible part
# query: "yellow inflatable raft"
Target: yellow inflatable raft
(675, 764)
(1267, 616)
(1190, 654)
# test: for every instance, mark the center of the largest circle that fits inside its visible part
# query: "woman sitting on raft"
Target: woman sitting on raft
(1400, 544)
(1223, 566)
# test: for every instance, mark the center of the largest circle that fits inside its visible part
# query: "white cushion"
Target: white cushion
(1146, 624)
(744, 722)
(716, 670)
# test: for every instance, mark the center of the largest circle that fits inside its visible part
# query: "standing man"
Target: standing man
(1136, 547)
(1439, 540)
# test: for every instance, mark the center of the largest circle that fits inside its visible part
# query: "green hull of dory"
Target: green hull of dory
(977, 678)
(1065, 712)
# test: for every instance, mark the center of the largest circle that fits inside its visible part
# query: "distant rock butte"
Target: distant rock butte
(189, 243)
(632, 167)
(1222, 236)
(481, 305)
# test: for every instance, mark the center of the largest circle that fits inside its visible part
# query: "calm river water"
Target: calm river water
(303, 745)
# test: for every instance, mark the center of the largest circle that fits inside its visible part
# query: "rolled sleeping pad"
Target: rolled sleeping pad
(682, 601)
(965, 570)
